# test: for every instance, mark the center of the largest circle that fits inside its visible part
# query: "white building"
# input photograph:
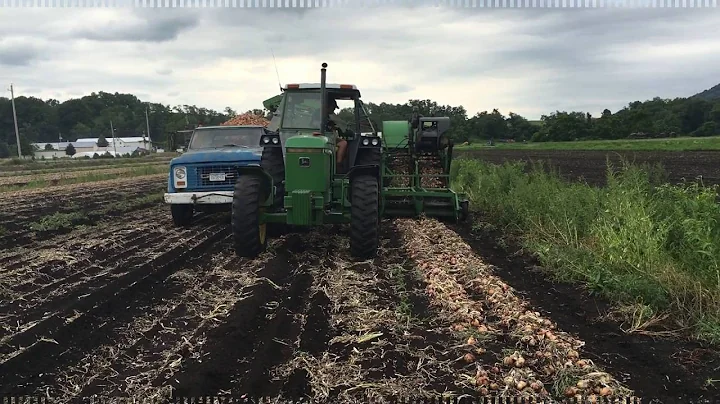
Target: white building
(88, 147)
(134, 142)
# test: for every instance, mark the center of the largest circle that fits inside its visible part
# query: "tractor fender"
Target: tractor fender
(366, 169)
(267, 185)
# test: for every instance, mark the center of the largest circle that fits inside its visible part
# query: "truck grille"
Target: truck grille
(203, 176)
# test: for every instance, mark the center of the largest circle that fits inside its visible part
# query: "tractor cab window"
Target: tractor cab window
(208, 138)
(302, 110)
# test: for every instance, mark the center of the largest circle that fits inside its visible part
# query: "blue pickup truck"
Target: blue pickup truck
(203, 178)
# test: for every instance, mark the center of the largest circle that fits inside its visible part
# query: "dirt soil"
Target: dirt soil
(590, 166)
(139, 308)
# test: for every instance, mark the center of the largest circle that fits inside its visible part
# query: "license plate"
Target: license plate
(217, 177)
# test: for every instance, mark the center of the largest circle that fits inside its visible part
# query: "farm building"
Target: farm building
(88, 147)
(139, 141)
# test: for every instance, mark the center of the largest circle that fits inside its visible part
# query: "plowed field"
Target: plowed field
(591, 166)
(124, 304)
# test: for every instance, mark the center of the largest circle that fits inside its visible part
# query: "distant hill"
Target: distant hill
(709, 94)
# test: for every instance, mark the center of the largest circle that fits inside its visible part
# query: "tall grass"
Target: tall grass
(641, 242)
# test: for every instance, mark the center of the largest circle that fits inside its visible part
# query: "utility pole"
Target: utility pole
(17, 132)
(147, 122)
(112, 133)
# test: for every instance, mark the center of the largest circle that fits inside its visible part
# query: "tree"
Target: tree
(4, 150)
(102, 142)
(70, 150)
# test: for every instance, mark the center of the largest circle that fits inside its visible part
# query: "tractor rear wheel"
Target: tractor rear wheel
(364, 216)
(249, 235)
(182, 214)
(272, 162)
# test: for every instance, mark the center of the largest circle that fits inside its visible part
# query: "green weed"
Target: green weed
(637, 241)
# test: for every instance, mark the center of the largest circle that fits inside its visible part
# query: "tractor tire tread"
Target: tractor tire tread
(245, 216)
(364, 213)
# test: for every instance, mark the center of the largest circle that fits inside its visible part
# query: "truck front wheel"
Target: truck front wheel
(182, 214)
(249, 235)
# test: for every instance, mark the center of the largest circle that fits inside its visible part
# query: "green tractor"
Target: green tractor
(298, 182)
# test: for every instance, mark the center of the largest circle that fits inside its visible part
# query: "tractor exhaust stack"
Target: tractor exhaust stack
(323, 99)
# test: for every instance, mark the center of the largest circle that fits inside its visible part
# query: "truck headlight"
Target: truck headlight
(275, 140)
(375, 142)
(366, 142)
(180, 173)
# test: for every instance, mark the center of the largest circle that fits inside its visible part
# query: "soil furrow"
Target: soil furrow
(20, 366)
(159, 328)
(376, 333)
(53, 273)
(92, 212)
(63, 294)
(237, 347)
(90, 260)
(81, 240)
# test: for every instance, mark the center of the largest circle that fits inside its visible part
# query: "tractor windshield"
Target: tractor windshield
(208, 138)
(302, 110)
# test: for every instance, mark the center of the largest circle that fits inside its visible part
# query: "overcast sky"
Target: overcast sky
(528, 61)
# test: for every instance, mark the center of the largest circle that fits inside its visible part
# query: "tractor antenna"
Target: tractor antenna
(276, 69)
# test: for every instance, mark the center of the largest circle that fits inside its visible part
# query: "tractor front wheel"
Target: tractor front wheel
(364, 216)
(182, 214)
(249, 235)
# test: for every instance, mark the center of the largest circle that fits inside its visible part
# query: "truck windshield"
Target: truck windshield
(302, 110)
(225, 137)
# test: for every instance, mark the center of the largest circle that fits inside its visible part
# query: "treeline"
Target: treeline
(649, 119)
(90, 116)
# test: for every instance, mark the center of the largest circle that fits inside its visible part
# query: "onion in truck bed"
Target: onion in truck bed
(247, 119)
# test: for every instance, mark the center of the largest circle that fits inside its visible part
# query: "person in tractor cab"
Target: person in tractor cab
(337, 125)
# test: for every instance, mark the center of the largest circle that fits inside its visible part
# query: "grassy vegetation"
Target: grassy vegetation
(652, 247)
(665, 144)
(136, 163)
(135, 171)
(16, 164)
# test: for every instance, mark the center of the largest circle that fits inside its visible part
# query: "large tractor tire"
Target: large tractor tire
(364, 216)
(249, 235)
(272, 162)
(182, 214)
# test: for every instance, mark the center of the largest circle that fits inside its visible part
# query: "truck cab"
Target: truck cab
(203, 178)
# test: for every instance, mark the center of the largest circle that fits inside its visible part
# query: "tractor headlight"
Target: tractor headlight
(267, 139)
(180, 173)
(375, 142)
(366, 142)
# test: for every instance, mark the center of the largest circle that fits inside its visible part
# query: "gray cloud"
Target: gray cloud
(159, 25)
(13, 53)
(528, 60)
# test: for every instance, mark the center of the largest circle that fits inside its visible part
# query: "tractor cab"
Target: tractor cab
(299, 112)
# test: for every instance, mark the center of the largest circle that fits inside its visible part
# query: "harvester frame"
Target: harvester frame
(297, 181)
